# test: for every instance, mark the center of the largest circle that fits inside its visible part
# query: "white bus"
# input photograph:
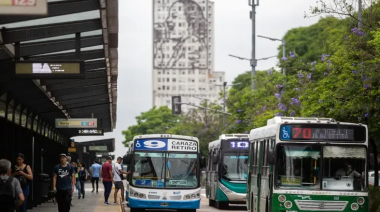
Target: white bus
(227, 170)
(308, 164)
(165, 172)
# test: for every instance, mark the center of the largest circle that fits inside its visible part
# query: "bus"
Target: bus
(227, 170)
(308, 164)
(165, 172)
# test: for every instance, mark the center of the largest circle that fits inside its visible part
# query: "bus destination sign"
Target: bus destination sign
(231, 144)
(322, 132)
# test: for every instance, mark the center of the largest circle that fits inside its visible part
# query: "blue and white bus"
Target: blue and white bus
(165, 172)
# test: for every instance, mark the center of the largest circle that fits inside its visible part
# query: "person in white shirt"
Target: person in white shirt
(118, 175)
(346, 171)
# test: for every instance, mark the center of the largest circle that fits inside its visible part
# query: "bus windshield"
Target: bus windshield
(170, 170)
(182, 171)
(235, 166)
(299, 167)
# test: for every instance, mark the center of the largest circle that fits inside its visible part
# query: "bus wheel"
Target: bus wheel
(137, 209)
(211, 202)
(221, 205)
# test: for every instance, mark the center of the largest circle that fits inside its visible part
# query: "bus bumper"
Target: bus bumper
(164, 204)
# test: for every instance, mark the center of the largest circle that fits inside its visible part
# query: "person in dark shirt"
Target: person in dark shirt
(63, 183)
(107, 179)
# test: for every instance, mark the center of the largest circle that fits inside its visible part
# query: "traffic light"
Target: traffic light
(176, 106)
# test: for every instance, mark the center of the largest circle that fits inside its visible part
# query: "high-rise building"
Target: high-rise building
(183, 52)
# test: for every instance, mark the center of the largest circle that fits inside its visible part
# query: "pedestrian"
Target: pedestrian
(77, 183)
(118, 178)
(95, 174)
(82, 176)
(24, 174)
(11, 195)
(107, 179)
(63, 183)
(69, 162)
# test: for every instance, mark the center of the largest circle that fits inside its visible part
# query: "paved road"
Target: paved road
(206, 208)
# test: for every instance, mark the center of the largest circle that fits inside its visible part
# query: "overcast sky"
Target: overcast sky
(232, 36)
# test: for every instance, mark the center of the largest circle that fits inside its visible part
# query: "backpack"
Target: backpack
(7, 199)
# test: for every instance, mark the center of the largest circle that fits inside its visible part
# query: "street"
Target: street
(206, 208)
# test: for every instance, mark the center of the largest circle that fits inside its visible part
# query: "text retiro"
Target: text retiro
(184, 145)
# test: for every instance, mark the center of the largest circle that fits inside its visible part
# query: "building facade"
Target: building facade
(183, 52)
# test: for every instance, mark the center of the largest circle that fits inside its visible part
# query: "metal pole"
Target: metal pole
(284, 55)
(224, 103)
(360, 14)
(253, 58)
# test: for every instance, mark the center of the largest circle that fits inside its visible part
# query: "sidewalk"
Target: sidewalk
(93, 202)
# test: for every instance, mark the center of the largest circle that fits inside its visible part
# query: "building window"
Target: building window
(174, 88)
(174, 79)
(159, 88)
(168, 87)
(159, 79)
(168, 80)
(163, 87)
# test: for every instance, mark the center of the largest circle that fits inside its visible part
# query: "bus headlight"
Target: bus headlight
(133, 193)
(192, 196)
(360, 200)
(354, 206)
(282, 198)
(224, 189)
(288, 204)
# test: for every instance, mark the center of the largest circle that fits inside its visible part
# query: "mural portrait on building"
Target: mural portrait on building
(180, 40)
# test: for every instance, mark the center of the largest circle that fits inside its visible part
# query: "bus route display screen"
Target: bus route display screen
(322, 132)
(232, 144)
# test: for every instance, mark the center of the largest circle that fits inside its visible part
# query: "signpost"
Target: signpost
(23, 7)
(49, 69)
(98, 148)
(76, 123)
(90, 132)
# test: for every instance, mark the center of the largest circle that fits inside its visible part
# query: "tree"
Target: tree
(155, 121)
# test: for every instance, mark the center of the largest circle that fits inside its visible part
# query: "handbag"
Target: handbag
(22, 181)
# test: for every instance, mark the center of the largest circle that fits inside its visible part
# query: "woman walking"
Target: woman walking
(24, 174)
(82, 175)
(77, 183)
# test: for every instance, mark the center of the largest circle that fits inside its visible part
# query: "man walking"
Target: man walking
(69, 162)
(63, 183)
(95, 173)
(118, 177)
(107, 179)
(11, 195)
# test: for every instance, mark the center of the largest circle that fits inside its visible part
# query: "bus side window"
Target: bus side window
(255, 158)
(209, 164)
(213, 164)
(265, 171)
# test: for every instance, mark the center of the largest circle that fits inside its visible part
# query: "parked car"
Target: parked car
(371, 177)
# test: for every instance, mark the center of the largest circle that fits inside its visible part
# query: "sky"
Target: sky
(233, 30)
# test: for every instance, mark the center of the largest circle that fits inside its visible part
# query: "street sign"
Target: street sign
(23, 7)
(49, 69)
(76, 123)
(71, 149)
(90, 132)
(98, 148)
(176, 107)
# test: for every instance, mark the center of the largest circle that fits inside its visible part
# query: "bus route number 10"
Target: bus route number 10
(239, 144)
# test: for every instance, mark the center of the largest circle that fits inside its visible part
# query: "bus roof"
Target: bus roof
(216, 143)
(166, 136)
(272, 125)
(308, 120)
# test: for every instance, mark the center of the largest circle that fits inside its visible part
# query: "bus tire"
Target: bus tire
(137, 209)
(211, 203)
(221, 205)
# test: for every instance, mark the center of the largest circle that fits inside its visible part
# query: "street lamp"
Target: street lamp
(283, 48)
(224, 98)
(253, 6)
(242, 58)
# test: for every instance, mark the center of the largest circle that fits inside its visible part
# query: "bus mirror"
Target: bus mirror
(271, 157)
(215, 158)
(126, 159)
(203, 162)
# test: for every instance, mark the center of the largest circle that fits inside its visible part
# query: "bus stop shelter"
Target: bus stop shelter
(84, 30)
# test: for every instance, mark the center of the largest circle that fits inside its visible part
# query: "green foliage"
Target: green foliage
(155, 121)
(312, 41)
